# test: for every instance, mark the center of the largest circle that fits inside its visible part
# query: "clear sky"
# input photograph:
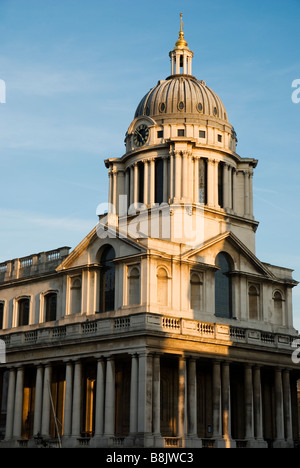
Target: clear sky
(75, 71)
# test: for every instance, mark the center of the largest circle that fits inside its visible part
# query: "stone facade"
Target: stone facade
(161, 328)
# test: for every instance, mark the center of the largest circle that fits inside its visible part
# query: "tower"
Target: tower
(181, 160)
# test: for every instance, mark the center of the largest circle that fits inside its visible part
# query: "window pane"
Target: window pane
(223, 293)
(134, 287)
(107, 281)
(51, 306)
(24, 306)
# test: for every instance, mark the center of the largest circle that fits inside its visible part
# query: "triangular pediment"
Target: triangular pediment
(87, 252)
(243, 259)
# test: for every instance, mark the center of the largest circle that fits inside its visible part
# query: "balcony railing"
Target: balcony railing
(32, 265)
(143, 322)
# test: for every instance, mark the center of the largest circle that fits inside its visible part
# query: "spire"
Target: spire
(181, 41)
(181, 56)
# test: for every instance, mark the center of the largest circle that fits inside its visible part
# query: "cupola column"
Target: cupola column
(181, 56)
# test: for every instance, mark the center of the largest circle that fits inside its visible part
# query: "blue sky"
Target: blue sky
(75, 72)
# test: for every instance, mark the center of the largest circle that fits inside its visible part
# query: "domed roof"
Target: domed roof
(184, 96)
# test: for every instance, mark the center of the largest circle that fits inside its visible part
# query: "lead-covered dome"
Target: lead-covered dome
(184, 96)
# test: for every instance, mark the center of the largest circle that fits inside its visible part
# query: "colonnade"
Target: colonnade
(182, 180)
(144, 425)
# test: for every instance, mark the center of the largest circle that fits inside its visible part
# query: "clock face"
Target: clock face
(141, 135)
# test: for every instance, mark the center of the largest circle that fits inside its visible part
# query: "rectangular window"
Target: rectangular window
(220, 138)
(180, 133)
(202, 134)
(160, 134)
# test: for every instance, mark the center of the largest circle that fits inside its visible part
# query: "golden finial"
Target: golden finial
(181, 41)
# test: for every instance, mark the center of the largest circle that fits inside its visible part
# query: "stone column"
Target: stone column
(226, 410)
(115, 187)
(77, 397)
(257, 404)
(230, 188)
(145, 398)
(181, 398)
(217, 435)
(38, 400)
(127, 187)
(134, 395)
(196, 180)
(234, 202)
(172, 175)
(131, 186)
(210, 183)
(247, 194)
(136, 183)
(279, 442)
(251, 194)
(18, 414)
(287, 407)
(152, 181)
(177, 175)
(192, 398)
(110, 189)
(46, 400)
(100, 393)
(185, 180)
(225, 186)
(249, 426)
(109, 418)
(146, 182)
(156, 400)
(68, 400)
(10, 404)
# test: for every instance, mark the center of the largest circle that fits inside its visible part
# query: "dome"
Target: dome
(182, 96)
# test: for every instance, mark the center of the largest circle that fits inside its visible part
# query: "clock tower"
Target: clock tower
(181, 178)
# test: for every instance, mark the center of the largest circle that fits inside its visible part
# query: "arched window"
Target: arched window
(50, 307)
(1, 315)
(162, 287)
(196, 283)
(134, 295)
(278, 308)
(223, 287)
(107, 280)
(75, 304)
(254, 295)
(23, 312)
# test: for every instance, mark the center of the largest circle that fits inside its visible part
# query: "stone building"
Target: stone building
(161, 328)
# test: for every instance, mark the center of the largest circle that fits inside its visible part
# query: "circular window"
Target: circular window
(200, 107)
(162, 107)
(181, 105)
